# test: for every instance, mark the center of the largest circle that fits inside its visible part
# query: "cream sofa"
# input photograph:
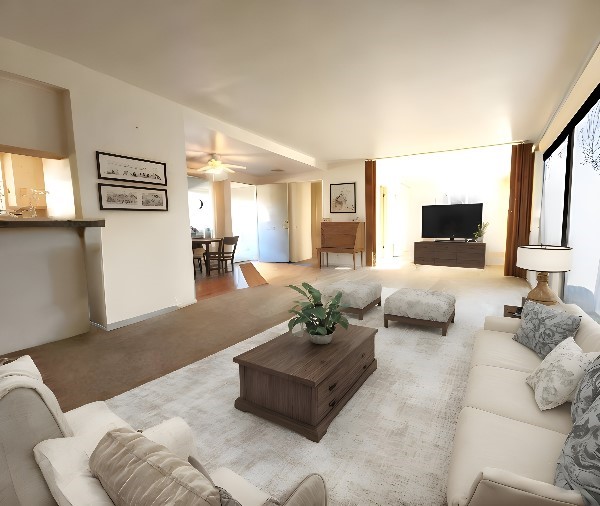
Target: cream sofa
(505, 448)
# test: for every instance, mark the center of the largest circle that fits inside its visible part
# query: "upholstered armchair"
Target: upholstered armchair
(31, 418)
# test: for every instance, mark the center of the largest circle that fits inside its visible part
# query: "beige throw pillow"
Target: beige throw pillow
(555, 380)
(135, 470)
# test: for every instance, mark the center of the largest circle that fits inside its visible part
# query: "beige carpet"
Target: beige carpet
(389, 445)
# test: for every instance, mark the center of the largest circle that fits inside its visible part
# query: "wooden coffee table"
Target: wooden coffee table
(303, 386)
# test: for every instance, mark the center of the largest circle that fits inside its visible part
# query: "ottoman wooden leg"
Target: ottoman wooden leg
(444, 329)
(385, 321)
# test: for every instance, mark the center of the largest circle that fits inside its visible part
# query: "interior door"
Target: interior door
(273, 224)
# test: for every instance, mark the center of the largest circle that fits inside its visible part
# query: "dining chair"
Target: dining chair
(229, 254)
(198, 257)
(211, 256)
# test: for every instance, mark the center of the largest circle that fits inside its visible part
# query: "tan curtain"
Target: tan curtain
(370, 218)
(519, 207)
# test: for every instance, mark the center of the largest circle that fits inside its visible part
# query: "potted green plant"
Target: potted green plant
(317, 319)
(480, 232)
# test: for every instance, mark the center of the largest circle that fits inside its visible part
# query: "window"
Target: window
(555, 171)
(571, 203)
(582, 283)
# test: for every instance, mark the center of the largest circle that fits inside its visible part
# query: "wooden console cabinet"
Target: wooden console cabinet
(450, 253)
(342, 237)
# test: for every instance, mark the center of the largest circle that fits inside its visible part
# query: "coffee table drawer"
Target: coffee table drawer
(330, 391)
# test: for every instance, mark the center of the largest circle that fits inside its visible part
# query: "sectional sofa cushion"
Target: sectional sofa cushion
(587, 391)
(588, 335)
(135, 470)
(504, 392)
(487, 440)
(543, 327)
(578, 465)
(554, 382)
(499, 350)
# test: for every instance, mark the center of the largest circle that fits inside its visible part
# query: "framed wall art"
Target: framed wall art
(132, 198)
(342, 197)
(127, 168)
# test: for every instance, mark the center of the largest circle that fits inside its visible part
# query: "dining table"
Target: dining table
(205, 242)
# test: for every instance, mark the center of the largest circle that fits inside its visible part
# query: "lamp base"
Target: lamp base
(542, 294)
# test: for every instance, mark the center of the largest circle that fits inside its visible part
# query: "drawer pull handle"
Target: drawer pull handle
(365, 366)
(362, 356)
(332, 403)
(331, 387)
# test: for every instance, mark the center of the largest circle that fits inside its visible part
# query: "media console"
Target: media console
(450, 253)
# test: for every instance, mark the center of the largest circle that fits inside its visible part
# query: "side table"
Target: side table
(512, 311)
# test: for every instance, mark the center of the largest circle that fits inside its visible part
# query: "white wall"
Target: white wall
(33, 121)
(342, 172)
(469, 176)
(143, 264)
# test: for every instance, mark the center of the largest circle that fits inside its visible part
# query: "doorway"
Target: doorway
(244, 221)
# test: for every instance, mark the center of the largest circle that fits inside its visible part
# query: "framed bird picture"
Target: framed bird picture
(342, 197)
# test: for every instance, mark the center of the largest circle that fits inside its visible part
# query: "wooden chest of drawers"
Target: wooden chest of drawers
(303, 386)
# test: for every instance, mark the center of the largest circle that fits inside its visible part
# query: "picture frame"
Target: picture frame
(128, 168)
(342, 198)
(132, 198)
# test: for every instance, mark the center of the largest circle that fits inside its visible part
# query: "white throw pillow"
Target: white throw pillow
(555, 380)
(64, 463)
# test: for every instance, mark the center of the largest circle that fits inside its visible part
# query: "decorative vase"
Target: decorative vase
(318, 339)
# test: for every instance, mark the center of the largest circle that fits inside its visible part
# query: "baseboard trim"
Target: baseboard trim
(140, 318)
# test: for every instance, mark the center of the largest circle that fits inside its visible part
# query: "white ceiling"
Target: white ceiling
(336, 79)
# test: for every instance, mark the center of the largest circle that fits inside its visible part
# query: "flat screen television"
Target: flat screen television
(450, 221)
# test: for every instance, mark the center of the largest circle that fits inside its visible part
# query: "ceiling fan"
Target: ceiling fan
(216, 166)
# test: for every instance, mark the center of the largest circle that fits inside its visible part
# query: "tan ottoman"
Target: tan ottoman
(357, 298)
(420, 307)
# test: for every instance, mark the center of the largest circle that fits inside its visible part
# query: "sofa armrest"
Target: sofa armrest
(241, 490)
(176, 435)
(497, 487)
(310, 492)
(501, 324)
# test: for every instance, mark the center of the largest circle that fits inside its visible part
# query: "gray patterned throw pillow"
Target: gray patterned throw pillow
(543, 327)
(578, 466)
(587, 390)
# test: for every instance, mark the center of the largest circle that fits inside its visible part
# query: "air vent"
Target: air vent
(277, 170)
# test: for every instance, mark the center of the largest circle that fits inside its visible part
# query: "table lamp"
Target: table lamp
(544, 259)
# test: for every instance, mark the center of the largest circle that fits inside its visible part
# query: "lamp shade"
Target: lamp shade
(544, 258)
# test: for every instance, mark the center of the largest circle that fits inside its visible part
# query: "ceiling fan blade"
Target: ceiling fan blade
(232, 166)
(226, 169)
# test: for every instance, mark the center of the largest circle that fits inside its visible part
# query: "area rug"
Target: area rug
(390, 444)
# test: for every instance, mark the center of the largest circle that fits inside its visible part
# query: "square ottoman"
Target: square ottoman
(420, 307)
(357, 297)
